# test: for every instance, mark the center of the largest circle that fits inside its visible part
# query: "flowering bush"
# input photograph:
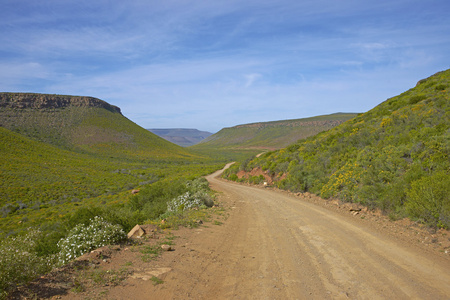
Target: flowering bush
(196, 196)
(184, 202)
(19, 263)
(82, 239)
(344, 182)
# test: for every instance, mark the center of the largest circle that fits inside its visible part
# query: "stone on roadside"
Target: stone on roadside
(166, 247)
(139, 231)
(136, 232)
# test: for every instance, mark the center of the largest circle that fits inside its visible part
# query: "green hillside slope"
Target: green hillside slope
(42, 183)
(394, 157)
(272, 135)
(82, 124)
(75, 164)
(63, 152)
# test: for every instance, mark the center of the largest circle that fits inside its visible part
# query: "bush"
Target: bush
(19, 263)
(199, 184)
(124, 216)
(184, 202)
(256, 179)
(196, 196)
(84, 238)
(440, 87)
(233, 177)
(416, 98)
(154, 197)
(429, 200)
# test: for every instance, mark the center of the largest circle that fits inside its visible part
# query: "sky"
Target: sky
(213, 64)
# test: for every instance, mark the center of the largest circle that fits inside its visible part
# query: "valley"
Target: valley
(182, 136)
(76, 175)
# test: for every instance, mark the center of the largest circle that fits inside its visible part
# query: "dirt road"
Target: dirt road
(276, 246)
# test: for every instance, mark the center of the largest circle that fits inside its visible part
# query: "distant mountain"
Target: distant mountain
(272, 135)
(82, 124)
(181, 136)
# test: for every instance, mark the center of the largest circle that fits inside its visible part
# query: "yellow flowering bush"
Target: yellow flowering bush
(344, 182)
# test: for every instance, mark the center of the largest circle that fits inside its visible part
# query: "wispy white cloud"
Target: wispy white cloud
(251, 78)
(210, 64)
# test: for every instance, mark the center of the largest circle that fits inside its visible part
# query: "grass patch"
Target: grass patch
(150, 252)
(188, 218)
(156, 280)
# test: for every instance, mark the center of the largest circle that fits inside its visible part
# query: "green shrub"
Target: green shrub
(82, 239)
(19, 263)
(256, 179)
(233, 177)
(429, 200)
(47, 243)
(198, 184)
(440, 87)
(124, 216)
(156, 196)
(246, 166)
(83, 215)
(417, 98)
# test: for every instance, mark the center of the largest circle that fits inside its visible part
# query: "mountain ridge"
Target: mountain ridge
(273, 134)
(82, 124)
(48, 101)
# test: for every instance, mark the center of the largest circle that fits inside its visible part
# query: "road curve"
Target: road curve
(276, 246)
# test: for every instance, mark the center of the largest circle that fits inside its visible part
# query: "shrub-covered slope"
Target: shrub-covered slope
(67, 166)
(60, 152)
(272, 135)
(82, 124)
(394, 157)
(40, 182)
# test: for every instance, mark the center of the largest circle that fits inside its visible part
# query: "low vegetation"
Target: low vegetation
(19, 263)
(42, 183)
(394, 157)
(24, 257)
(68, 167)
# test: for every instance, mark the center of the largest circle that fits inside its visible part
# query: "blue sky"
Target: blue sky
(214, 64)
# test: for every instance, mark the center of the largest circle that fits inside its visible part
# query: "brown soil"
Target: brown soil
(269, 245)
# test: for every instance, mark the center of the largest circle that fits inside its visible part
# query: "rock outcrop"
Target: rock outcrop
(47, 101)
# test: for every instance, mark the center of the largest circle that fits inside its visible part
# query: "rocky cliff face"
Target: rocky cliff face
(47, 101)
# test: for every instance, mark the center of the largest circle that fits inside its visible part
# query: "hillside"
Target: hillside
(82, 124)
(57, 204)
(38, 179)
(60, 153)
(272, 135)
(394, 157)
(182, 136)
